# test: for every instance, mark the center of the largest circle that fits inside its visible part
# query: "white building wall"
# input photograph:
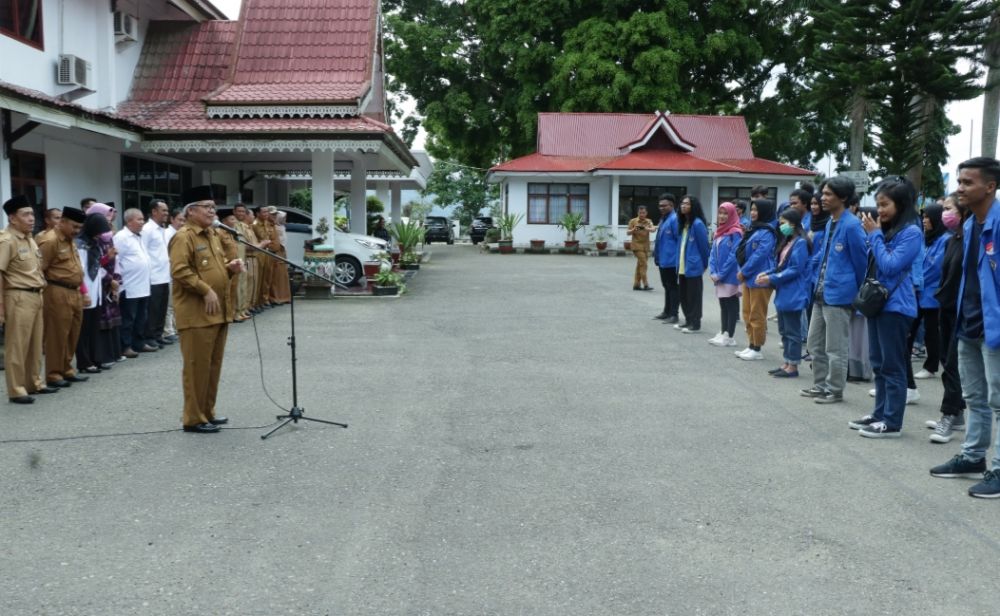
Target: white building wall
(74, 171)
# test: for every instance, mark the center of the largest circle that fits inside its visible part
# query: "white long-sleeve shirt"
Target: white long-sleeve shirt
(155, 242)
(132, 263)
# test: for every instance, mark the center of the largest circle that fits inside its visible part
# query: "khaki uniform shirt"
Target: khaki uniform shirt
(20, 261)
(44, 235)
(198, 265)
(640, 232)
(249, 234)
(272, 234)
(230, 248)
(61, 260)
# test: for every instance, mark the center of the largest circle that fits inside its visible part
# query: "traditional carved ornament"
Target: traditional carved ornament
(262, 145)
(281, 111)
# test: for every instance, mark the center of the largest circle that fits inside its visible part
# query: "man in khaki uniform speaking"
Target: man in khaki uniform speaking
(202, 308)
(21, 286)
(63, 298)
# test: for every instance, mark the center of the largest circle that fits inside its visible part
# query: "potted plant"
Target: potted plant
(409, 261)
(537, 246)
(407, 235)
(571, 222)
(600, 234)
(492, 235)
(388, 282)
(506, 224)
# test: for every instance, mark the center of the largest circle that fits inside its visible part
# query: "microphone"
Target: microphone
(219, 225)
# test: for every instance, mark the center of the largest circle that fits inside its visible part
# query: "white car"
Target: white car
(352, 250)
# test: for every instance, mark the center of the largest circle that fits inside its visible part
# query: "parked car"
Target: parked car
(480, 225)
(438, 228)
(352, 250)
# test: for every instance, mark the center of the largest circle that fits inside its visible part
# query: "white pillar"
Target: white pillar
(359, 215)
(714, 206)
(396, 209)
(6, 192)
(382, 192)
(615, 185)
(322, 191)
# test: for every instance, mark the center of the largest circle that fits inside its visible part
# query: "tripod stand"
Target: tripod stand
(296, 413)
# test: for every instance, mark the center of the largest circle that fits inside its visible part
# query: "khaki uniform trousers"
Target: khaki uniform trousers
(755, 302)
(641, 264)
(62, 316)
(23, 355)
(249, 285)
(202, 349)
(264, 279)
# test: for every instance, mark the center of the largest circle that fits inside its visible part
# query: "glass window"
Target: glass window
(130, 173)
(22, 19)
(631, 197)
(548, 203)
(537, 206)
(538, 189)
(144, 180)
(27, 177)
(146, 175)
(161, 184)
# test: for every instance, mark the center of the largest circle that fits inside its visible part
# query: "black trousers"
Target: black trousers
(952, 402)
(671, 290)
(932, 336)
(691, 291)
(729, 307)
(159, 298)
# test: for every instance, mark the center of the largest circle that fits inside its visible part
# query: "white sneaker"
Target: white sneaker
(716, 339)
(739, 353)
(925, 374)
(912, 395)
(752, 355)
(729, 342)
(871, 392)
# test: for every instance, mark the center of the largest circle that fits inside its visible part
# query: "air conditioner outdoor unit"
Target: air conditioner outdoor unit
(126, 27)
(74, 71)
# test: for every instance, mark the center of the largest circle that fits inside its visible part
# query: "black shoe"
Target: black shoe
(205, 428)
(775, 371)
(149, 348)
(670, 320)
(829, 398)
(77, 379)
(47, 390)
(59, 383)
(812, 392)
(163, 342)
(647, 288)
(106, 366)
(662, 316)
(864, 422)
(637, 288)
(220, 421)
(92, 370)
(22, 400)
(959, 467)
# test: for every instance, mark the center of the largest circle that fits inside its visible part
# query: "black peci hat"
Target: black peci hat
(12, 205)
(196, 194)
(75, 214)
(223, 212)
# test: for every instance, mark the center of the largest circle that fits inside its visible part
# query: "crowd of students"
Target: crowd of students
(817, 259)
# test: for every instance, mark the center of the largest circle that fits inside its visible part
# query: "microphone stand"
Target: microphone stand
(297, 413)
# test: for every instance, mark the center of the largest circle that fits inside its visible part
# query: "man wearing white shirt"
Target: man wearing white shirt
(134, 266)
(154, 241)
(176, 222)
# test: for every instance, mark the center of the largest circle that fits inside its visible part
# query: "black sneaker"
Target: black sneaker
(812, 392)
(662, 316)
(829, 397)
(864, 422)
(879, 429)
(959, 467)
(989, 487)
(670, 320)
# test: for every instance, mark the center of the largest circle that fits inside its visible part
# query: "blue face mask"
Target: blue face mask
(787, 229)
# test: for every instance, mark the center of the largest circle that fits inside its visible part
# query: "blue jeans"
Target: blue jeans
(135, 311)
(889, 355)
(790, 326)
(979, 367)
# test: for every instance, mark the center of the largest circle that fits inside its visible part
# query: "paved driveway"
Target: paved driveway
(523, 440)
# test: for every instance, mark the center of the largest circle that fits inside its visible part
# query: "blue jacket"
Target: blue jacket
(745, 221)
(893, 262)
(792, 281)
(933, 262)
(847, 262)
(667, 248)
(817, 245)
(807, 219)
(759, 256)
(722, 260)
(917, 273)
(989, 277)
(696, 253)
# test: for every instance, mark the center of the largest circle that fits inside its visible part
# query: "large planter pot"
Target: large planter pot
(371, 269)
(395, 257)
(409, 266)
(572, 245)
(537, 244)
(377, 290)
(601, 245)
(505, 246)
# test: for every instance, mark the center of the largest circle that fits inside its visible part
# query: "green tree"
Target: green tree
(302, 199)
(453, 184)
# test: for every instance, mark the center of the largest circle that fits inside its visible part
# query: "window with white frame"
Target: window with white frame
(548, 203)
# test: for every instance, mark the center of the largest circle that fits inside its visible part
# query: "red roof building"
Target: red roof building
(607, 165)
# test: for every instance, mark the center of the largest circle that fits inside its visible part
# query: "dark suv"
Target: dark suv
(437, 228)
(480, 225)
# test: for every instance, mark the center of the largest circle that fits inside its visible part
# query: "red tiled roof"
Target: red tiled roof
(190, 116)
(661, 160)
(182, 61)
(61, 105)
(302, 51)
(551, 164)
(767, 167)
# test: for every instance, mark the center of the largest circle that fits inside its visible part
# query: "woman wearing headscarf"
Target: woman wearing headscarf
(755, 255)
(280, 286)
(111, 315)
(722, 269)
(91, 349)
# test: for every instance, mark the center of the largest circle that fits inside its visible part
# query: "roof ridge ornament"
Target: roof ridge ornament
(280, 111)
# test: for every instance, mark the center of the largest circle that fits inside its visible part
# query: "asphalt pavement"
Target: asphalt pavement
(524, 439)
